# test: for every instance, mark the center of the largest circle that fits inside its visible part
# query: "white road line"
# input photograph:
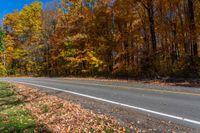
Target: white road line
(116, 103)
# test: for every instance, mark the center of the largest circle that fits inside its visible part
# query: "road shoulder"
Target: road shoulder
(127, 117)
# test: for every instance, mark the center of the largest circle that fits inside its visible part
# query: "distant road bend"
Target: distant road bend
(177, 104)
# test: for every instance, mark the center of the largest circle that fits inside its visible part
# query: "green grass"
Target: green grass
(44, 108)
(5, 90)
(12, 117)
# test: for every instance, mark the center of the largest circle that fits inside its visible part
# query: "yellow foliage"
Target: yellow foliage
(2, 70)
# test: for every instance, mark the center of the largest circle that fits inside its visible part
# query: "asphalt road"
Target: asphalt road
(177, 104)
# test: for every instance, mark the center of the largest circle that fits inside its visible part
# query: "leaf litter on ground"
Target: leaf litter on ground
(58, 115)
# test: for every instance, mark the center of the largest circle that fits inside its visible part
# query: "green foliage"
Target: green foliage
(1, 40)
(11, 71)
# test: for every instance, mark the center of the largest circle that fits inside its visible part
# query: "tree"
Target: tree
(192, 29)
(23, 38)
(149, 6)
(140, 38)
(2, 56)
(1, 40)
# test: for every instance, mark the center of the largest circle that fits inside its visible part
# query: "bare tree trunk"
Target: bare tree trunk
(152, 24)
(192, 27)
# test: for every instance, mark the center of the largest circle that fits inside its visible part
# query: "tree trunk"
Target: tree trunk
(152, 24)
(192, 27)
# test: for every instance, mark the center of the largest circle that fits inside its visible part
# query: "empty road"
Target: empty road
(177, 104)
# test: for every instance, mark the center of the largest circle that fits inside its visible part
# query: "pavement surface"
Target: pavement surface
(171, 103)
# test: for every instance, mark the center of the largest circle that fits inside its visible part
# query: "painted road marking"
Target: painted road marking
(117, 103)
(133, 88)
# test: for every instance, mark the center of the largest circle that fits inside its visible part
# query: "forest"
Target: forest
(131, 38)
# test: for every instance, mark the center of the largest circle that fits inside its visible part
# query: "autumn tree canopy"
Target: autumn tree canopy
(137, 38)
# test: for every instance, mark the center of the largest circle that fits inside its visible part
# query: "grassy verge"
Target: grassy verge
(13, 117)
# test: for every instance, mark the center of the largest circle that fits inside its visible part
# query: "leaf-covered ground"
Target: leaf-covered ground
(29, 110)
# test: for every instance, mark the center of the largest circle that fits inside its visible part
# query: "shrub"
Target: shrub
(2, 70)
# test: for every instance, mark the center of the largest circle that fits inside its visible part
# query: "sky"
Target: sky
(8, 6)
